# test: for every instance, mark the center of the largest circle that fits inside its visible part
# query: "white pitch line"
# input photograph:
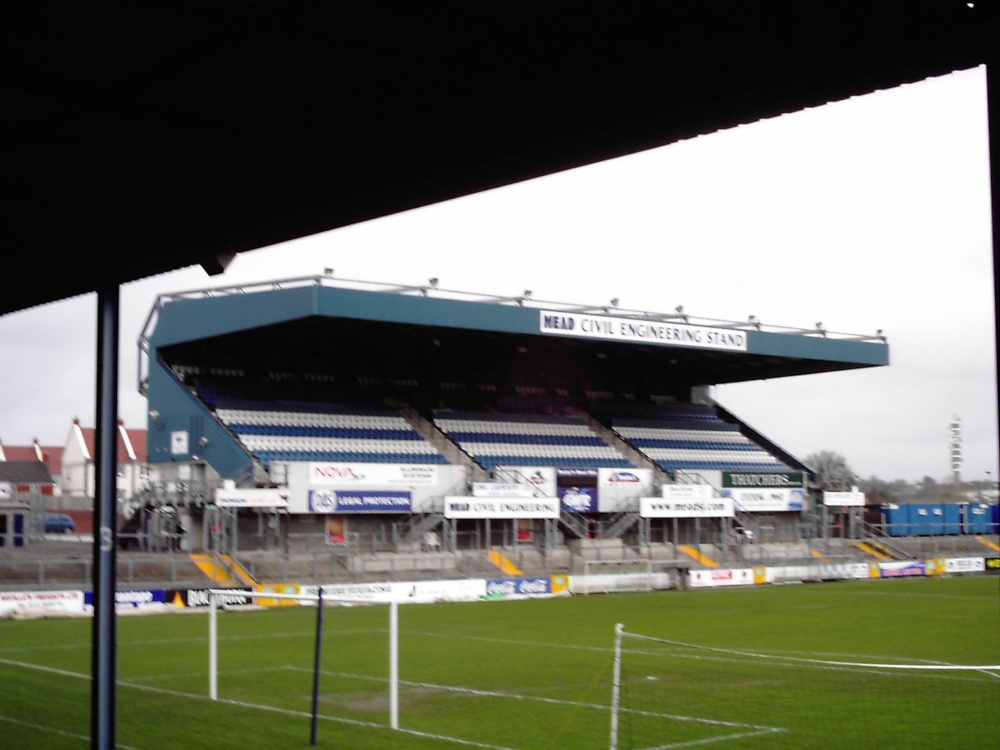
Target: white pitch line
(555, 701)
(306, 714)
(712, 740)
(813, 662)
(242, 704)
(40, 668)
(60, 732)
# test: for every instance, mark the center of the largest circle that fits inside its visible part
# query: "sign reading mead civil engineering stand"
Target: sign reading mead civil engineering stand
(616, 328)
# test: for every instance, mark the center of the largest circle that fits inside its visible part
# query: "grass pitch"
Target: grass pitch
(806, 666)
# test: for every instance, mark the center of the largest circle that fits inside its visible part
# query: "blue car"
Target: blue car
(59, 523)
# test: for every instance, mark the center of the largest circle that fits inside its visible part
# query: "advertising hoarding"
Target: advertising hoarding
(476, 507)
(251, 498)
(710, 507)
(359, 501)
(371, 475)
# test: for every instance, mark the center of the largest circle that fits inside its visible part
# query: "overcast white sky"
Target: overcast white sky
(873, 213)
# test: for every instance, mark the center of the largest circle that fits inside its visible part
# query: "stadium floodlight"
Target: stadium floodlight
(328, 272)
(527, 294)
(614, 302)
(433, 282)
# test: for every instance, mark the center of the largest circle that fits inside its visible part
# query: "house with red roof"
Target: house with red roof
(77, 473)
(28, 455)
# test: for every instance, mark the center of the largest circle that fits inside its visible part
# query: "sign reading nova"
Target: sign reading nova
(512, 507)
(355, 474)
(615, 328)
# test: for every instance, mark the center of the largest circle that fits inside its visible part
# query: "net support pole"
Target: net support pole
(616, 684)
(213, 651)
(316, 668)
(394, 664)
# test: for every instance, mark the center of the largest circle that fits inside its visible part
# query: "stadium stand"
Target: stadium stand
(518, 439)
(692, 436)
(321, 432)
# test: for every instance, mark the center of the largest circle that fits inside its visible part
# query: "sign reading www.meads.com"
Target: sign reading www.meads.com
(707, 507)
(643, 331)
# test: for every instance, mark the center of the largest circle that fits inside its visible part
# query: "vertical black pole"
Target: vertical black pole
(993, 128)
(316, 666)
(103, 667)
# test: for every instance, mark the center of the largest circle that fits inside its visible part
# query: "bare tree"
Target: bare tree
(831, 469)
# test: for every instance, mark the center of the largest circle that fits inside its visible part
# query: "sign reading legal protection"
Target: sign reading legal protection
(359, 501)
(616, 328)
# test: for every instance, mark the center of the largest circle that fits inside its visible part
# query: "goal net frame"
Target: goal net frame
(621, 634)
(216, 598)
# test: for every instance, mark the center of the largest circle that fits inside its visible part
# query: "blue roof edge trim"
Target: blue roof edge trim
(186, 319)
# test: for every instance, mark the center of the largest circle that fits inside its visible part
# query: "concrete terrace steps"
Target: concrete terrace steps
(133, 569)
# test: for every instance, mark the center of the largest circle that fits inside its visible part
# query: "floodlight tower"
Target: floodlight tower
(956, 450)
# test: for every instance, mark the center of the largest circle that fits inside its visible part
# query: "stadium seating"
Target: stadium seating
(692, 436)
(327, 433)
(526, 439)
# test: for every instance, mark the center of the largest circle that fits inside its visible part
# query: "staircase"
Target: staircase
(574, 524)
(629, 453)
(413, 529)
(620, 523)
(443, 444)
(871, 549)
(223, 569)
(698, 556)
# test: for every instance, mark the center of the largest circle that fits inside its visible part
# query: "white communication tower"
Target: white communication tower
(955, 428)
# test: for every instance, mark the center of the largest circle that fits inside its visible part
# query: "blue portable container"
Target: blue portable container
(920, 519)
(977, 518)
(952, 518)
(896, 519)
(935, 519)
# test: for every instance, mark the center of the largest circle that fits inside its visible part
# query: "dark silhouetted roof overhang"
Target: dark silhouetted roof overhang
(142, 137)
